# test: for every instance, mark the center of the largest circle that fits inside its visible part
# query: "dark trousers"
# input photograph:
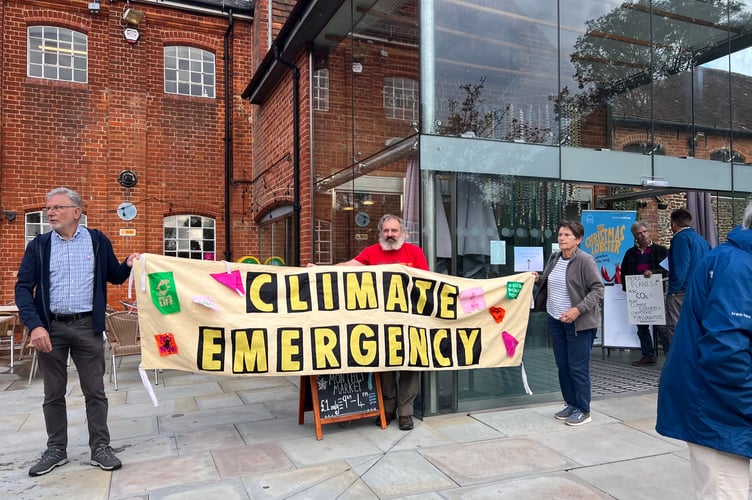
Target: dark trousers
(86, 348)
(572, 354)
(400, 392)
(647, 348)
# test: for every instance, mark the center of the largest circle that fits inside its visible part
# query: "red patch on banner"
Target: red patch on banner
(497, 313)
(166, 344)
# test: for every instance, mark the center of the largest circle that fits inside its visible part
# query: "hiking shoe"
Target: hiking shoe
(405, 423)
(105, 459)
(578, 417)
(564, 413)
(51, 458)
(644, 361)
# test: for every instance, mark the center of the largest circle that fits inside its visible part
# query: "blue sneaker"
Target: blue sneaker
(578, 417)
(564, 413)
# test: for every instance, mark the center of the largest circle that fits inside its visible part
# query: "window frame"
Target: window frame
(186, 71)
(72, 67)
(189, 234)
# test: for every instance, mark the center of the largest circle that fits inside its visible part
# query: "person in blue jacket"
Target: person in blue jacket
(61, 294)
(686, 251)
(705, 391)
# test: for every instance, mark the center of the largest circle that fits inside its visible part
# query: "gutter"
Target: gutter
(201, 7)
(228, 134)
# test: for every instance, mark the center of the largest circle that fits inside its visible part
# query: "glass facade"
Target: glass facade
(528, 113)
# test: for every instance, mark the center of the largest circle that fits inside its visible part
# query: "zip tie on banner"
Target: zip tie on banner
(143, 272)
(524, 379)
(147, 385)
(227, 267)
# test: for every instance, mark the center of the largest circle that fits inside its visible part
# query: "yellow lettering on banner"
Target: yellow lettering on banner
(448, 301)
(440, 335)
(395, 355)
(327, 291)
(363, 351)
(289, 350)
(254, 293)
(468, 338)
(360, 291)
(296, 305)
(418, 346)
(396, 295)
(325, 341)
(423, 286)
(210, 348)
(250, 357)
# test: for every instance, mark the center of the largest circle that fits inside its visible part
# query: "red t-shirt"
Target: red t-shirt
(407, 255)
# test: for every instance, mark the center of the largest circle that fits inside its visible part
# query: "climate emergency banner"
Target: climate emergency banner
(245, 319)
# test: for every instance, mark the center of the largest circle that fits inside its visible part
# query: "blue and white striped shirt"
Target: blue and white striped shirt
(72, 273)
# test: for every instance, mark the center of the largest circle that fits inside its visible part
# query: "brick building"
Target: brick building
(479, 121)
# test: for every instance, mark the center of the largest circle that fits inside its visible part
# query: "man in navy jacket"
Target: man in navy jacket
(61, 294)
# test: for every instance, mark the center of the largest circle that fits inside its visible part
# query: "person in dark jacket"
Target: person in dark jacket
(644, 259)
(705, 391)
(61, 294)
(686, 251)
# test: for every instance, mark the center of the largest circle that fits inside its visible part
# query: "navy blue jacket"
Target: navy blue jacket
(33, 284)
(705, 391)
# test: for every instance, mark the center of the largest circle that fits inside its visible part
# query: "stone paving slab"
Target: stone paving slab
(137, 478)
(405, 473)
(529, 488)
(232, 489)
(286, 484)
(250, 460)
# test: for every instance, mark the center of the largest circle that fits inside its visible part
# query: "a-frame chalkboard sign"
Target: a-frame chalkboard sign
(340, 397)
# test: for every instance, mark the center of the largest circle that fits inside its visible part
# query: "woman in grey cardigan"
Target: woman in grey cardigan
(571, 291)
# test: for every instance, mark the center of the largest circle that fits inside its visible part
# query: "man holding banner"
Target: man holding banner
(399, 394)
(644, 259)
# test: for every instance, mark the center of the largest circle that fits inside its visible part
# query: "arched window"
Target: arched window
(57, 54)
(189, 71)
(724, 155)
(36, 223)
(645, 148)
(190, 237)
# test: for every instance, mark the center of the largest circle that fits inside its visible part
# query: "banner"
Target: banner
(244, 319)
(607, 238)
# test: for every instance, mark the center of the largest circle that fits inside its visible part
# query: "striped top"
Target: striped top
(558, 301)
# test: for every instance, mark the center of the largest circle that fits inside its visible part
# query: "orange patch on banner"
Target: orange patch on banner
(497, 313)
(166, 344)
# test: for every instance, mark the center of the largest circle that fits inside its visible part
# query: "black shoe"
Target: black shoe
(105, 459)
(51, 458)
(389, 417)
(644, 361)
(406, 423)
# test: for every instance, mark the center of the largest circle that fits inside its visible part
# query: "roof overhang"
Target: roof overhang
(306, 20)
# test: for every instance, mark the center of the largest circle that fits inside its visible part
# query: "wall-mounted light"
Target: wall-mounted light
(94, 7)
(10, 215)
(132, 16)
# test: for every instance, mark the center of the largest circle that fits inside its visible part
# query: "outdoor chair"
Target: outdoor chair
(124, 340)
(7, 335)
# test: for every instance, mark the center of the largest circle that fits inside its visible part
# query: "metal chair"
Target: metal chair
(123, 336)
(8, 329)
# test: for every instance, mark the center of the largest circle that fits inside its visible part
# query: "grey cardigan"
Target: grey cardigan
(583, 284)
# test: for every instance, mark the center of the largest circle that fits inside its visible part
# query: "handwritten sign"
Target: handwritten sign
(645, 302)
(341, 396)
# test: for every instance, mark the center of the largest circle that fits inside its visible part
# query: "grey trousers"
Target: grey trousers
(673, 308)
(86, 349)
(400, 390)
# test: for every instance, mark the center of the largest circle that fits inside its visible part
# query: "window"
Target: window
(321, 90)
(190, 237)
(57, 54)
(401, 98)
(189, 71)
(36, 224)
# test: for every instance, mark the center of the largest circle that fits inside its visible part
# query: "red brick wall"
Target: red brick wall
(82, 135)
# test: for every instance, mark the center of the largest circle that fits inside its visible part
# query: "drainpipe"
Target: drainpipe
(228, 135)
(295, 151)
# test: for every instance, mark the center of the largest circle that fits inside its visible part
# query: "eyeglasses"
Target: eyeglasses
(57, 208)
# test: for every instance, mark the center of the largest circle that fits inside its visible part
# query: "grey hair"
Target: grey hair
(637, 225)
(747, 221)
(73, 196)
(387, 217)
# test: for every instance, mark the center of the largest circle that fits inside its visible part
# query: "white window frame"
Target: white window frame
(36, 223)
(187, 236)
(401, 98)
(55, 53)
(189, 71)
(321, 89)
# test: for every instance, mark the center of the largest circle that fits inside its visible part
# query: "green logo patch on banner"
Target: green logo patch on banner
(513, 289)
(163, 292)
